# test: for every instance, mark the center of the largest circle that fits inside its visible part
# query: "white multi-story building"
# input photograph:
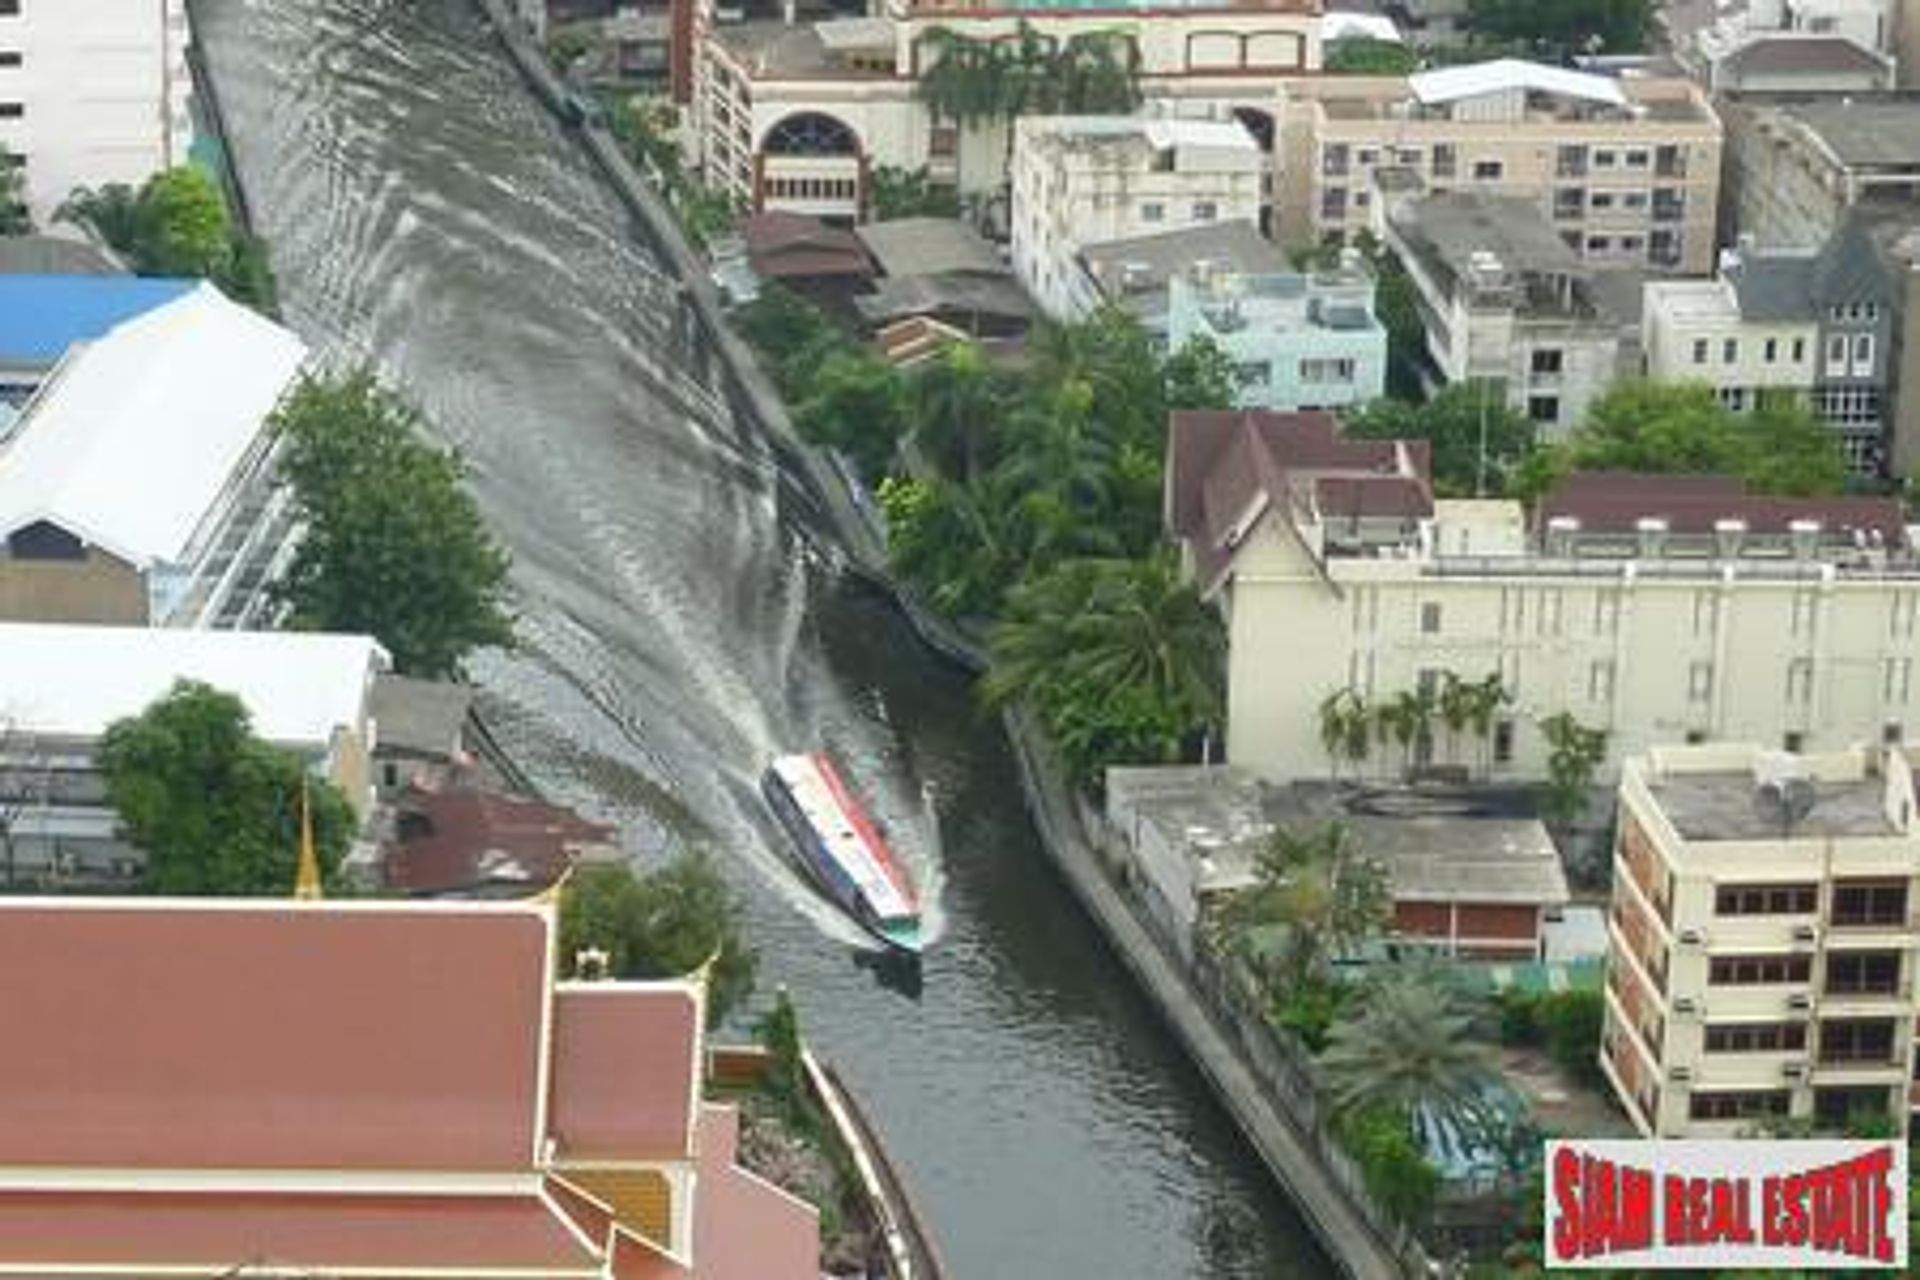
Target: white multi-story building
(1760, 964)
(1081, 180)
(92, 92)
(792, 113)
(1698, 331)
(1657, 609)
(1296, 340)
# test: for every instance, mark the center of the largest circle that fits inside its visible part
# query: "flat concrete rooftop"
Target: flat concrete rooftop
(1729, 805)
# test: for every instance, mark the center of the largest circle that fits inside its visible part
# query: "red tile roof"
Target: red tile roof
(252, 1035)
(466, 841)
(623, 1072)
(220, 1232)
(1226, 466)
(745, 1228)
(1614, 501)
(781, 244)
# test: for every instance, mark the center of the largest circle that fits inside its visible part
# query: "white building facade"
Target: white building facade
(1297, 341)
(93, 92)
(1080, 180)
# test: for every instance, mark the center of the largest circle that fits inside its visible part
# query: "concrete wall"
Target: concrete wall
(100, 588)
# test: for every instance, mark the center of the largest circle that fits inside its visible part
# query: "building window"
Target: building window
(1766, 899)
(1757, 1037)
(1443, 159)
(1729, 350)
(1859, 904)
(1743, 1105)
(1503, 742)
(1606, 611)
(1327, 370)
(1636, 159)
(1205, 211)
(1543, 408)
(1804, 603)
(1856, 1040)
(1799, 350)
(1800, 681)
(1706, 613)
(1333, 160)
(1430, 618)
(1896, 679)
(1700, 682)
(1906, 607)
(1599, 244)
(1837, 353)
(1699, 350)
(1488, 170)
(1333, 203)
(12, 110)
(1771, 351)
(9, 8)
(1571, 161)
(1602, 200)
(9, 57)
(1759, 971)
(1604, 159)
(1545, 361)
(1253, 373)
(1793, 742)
(1153, 211)
(1862, 354)
(1600, 681)
(1570, 202)
(1634, 200)
(1863, 973)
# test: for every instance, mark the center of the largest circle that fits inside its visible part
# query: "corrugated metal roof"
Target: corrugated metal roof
(41, 316)
(131, 440)
(1449, 84)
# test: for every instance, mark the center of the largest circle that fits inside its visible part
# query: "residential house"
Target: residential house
(796, 111)
(1760, 967)
(1463, 882)
(1627, 168)
(1297, 340)
(92, 94)
(825, 264)
(1797, 165)
(1653, 608)
(137, 485)
(362, 1087)
(42, 317)
(1506, 302)
(62, 687)
(1082, 180)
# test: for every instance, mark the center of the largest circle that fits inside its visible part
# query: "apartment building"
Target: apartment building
(92, 92)
(1296, 340)
(1761, 957)
(137, 485)
(794, 111)
(1627, 169)
(1505, 302)
(1797, 165)
(1082, 180)
(1658, 609)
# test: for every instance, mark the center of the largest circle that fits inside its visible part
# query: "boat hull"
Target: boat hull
(810, 852)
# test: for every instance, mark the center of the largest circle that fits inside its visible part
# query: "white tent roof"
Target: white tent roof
(1342, 25)
(1449, 84)
(67, 681)
(132, 437)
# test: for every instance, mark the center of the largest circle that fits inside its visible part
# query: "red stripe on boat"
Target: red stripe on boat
(863, 827)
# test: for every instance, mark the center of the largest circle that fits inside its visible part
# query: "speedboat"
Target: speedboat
(842, 848)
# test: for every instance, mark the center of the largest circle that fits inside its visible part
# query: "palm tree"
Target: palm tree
(1345, 727)
(958, 402)
(1409, 1049)
(1455, 706)
(1318, 884)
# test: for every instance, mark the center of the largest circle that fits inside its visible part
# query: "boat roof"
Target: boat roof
(848, 834)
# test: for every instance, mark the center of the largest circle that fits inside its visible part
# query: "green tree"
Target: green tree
(666, 923)
(909, 193)
(1200, 376)
(1123, 662)
(958, 402)
(855, 403)
(394, 546)
(1397, 1172)
(939, 539)
(1563, 27)
(1346, 728)
(215, 809)
(1409, 1049)
(14, 219)
(1478, 442)
(176, 224)
(1571, 1022)
(1329, 896)
(1574, 752)
(1365, 56)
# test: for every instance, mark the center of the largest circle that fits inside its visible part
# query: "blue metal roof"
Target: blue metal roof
(41, 316)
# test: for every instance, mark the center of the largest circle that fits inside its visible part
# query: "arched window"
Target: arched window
(811, 134)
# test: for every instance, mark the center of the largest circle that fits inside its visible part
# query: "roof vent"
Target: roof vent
(1560, 534)
(1804, 537)
(1727, 537)
(1653, 534)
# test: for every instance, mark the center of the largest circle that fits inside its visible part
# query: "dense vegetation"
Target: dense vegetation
(1365, 56)
(216, 809)
(394, 546)
(176, 224)
(14, 219)
(645, 127)
(666, 923)
(1555, 29)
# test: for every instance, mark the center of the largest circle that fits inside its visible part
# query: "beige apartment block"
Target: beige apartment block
(1628, 169)
(1760, 963)
(1660, 609)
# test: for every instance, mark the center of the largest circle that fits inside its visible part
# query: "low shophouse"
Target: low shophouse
(1297, 340)
(62, 687)
(137, 485)
(1627, 169)
(1654, 608)
(1507, 303)
(1761, 940)
(363, 1087)
(1082, 180)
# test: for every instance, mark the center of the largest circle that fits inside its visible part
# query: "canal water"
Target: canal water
(683, 617)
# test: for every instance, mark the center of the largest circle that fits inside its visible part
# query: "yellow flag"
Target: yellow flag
(307, 883)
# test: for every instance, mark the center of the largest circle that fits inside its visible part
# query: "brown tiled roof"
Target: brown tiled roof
(240, 1036)
(465, 840)
(623, 1072)
(744, 1228)
(1224, 464)
(217, 1233)
(781, 244)
(1615, 501)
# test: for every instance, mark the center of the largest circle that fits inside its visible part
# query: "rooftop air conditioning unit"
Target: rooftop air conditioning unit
(1802, 1001)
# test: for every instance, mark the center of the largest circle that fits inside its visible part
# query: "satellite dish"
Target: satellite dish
(1787, 801)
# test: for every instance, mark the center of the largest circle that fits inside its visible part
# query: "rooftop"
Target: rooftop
(56, 255)
(1504, 75)
(71, 682)
(1699, 505)
(1140, 264)
(128, 444)
(1469, 233)
(1793, 53)
(421, 717)
(41, 316)
(928, 246)
(1774, 286)
(774, 50)
(1228, 302)
(783, 245)
(1733, 792)
(467, 842)
(1156, 131)
(1862, 131)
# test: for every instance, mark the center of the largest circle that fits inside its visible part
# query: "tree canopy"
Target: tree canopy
(394, 545)
(1409, 1049)
(176, 224)
(663, 924)
(1563, 27)
(215, 809)
(1642, 425)
(1466, 423)
(14, 219)
(1363, 55)
(908, 193)
(1325, 893)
